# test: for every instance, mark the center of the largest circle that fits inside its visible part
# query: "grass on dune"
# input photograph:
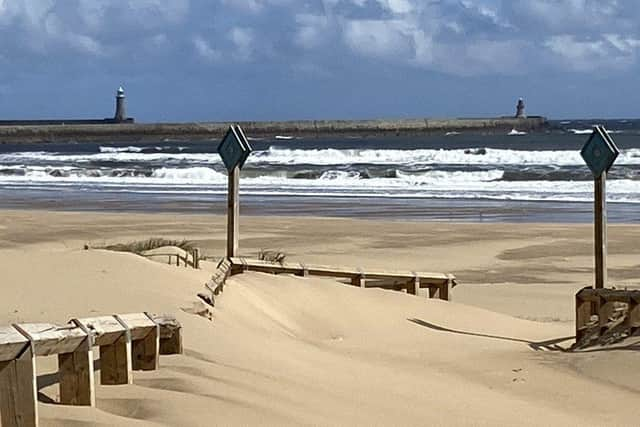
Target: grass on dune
(140, 246)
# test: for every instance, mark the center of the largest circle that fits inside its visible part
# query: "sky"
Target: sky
(197, 60)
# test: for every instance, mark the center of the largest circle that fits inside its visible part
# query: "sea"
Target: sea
(461, 177)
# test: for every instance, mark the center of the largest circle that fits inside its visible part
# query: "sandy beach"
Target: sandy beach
(307, 351)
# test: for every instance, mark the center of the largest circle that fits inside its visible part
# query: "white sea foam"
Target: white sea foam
(515, 132)
(492, 156)
(337, 185)
(330, 156)
(431, 184)
(130, 149)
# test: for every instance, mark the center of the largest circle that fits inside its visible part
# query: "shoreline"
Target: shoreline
(415, 211)
(128, 132)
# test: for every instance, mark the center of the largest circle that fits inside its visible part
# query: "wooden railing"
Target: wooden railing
(191, 259)
(600, 303)
(126, 342)
(439, 285)
(215, 286)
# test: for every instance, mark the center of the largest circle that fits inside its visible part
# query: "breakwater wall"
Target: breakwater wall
(126, 132)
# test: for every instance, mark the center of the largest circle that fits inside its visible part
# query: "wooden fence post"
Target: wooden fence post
(145, 341)
(113, 339)
(414, 286)
(600, 229)
(233, 212)
(75, 371)
(170, 334)
(18, 389)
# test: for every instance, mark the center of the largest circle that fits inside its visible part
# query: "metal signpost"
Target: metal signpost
(234, 150)
(599, 153)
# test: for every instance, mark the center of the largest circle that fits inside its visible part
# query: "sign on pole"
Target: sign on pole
(599, 153)
(234, 150)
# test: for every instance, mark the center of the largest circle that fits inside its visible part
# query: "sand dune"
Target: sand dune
(299, 351)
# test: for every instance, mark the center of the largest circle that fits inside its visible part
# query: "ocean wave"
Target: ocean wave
(467, 156)
(130, 149)
(330, 180)
(581, 131)
(619, 191)
(331, 156)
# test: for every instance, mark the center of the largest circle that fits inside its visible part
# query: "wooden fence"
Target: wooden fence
(439, 285)
(191, 259)
(600, 304)
(126, 342)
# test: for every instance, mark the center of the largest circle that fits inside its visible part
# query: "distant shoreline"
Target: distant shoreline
(128, 132)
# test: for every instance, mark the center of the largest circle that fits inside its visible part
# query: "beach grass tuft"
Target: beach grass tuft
(275, 257)
(141, 246)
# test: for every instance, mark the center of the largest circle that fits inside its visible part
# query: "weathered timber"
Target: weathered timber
(73, 345)
(359, 280)
(599, 302)
(439, 284)
(219, 278)
(115, 349)
(75, 373)
(600, 231)
(233, 212)
(145, 340)
(633, 317)
(170, 334)
(12, 343)
(414, 285)
(18, 389)
(48, 338)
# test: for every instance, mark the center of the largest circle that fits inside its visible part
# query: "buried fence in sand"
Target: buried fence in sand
(127, 342)
(439, 285)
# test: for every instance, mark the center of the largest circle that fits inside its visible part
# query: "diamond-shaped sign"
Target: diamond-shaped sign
(234, 148)
(600, 151)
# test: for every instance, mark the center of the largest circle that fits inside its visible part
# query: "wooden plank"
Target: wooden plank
(414, 286)
(145, 352)
(331, 271)
(633, 316)
(233, 212)
(12, 343)
(583, 316)
(442, 291)
(139, 324)
(145, 340)
(49, 339)
(359, 280)
(105, 329)
(18, 391)
(116, 362)
(170, 334)
(75, 372)
(600, 229)
(613, 295)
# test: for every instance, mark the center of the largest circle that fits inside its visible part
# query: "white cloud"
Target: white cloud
(380, 38)
(312, 30)
(454, 36)
(609, 51)
(205, 51)
(243, 43)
